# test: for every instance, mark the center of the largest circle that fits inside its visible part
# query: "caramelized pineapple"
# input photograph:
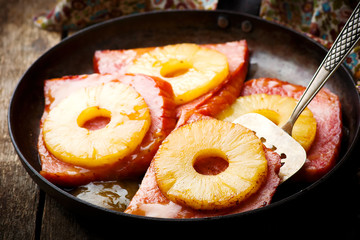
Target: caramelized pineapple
(67, 137)
(211, 143)
(278, 109)
(190, 69)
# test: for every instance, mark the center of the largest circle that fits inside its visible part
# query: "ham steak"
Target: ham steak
(149, 201)
(158, 96)
(209, 104)
(326, 109)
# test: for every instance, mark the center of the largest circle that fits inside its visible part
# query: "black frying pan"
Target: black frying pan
(275, 52)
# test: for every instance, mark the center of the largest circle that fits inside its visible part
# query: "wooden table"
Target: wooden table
(26, 212)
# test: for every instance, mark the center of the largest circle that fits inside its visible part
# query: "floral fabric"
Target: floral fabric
(76, 14)
(321, 20)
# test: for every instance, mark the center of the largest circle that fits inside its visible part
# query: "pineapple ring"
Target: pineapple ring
(67, 139)
(278, 109)
(181, 183)
(190, 69)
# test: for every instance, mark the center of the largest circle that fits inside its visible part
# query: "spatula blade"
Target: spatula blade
(292, 153)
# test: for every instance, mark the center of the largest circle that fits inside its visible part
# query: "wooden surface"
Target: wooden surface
(26, 212)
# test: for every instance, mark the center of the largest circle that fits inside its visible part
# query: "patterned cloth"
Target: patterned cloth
(321, 20)
(77, 14)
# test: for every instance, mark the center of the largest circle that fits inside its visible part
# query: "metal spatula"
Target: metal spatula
(292, 154)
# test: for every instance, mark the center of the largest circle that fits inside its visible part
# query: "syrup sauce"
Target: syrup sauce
(114, 195)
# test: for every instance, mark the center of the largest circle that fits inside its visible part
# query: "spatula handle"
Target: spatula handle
(344, 43)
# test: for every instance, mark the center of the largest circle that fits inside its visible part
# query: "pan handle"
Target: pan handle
(344, 43)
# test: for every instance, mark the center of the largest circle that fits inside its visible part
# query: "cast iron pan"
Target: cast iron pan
(275, 52)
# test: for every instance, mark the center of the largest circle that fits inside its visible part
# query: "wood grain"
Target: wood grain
(21, 44)
(25, 211)
(59, 223)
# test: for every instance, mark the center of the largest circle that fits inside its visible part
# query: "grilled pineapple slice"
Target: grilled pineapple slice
(278, 109)
(176, 164)
(67, 138)
(190, 69)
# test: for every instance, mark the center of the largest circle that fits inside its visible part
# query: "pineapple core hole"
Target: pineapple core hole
(210, 164)
(174, 68)
(94, 118)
